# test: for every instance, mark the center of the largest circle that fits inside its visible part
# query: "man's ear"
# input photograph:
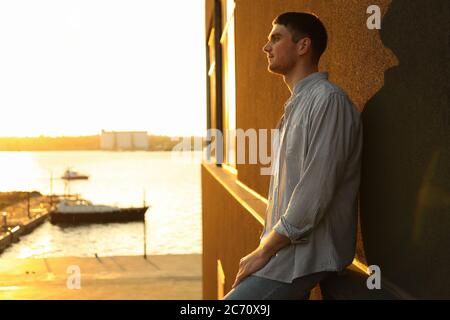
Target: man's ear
(303, 46)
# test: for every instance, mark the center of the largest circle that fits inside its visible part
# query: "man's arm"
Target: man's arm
(274, 243)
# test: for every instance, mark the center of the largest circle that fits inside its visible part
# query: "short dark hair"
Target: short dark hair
(301, 25)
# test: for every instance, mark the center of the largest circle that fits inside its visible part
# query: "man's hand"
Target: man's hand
(251, 263)
(261, 256)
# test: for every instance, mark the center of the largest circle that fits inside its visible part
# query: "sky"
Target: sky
(76, 67)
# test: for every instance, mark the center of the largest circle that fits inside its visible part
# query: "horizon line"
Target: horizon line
(93, 135)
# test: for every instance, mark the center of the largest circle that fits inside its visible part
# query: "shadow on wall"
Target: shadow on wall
(405, 187)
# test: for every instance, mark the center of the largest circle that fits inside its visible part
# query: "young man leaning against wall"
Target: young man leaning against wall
(311, 217)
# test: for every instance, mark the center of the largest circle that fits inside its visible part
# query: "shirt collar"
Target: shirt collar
(306, 82)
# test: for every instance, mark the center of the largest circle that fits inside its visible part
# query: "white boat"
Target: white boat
(70, 174)
(69, 211)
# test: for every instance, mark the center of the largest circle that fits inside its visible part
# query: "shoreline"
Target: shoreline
(91, 143)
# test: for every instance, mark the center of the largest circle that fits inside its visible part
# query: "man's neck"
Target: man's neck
(300, 72)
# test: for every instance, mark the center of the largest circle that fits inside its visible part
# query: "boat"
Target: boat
(71, 174)
(80, 211)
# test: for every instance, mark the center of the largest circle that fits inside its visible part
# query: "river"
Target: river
(169, 182)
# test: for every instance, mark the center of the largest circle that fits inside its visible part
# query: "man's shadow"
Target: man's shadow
(405, 181)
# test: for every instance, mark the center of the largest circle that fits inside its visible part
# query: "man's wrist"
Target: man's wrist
(273, 243)
(267, 251)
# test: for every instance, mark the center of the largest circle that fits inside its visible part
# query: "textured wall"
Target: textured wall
(223, 219)
(355, 58)
(209, 13)
(398, 79)
(405, 192)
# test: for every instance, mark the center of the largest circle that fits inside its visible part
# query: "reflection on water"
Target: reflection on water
(172, 189)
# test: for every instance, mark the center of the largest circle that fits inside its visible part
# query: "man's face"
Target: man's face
(281, 50)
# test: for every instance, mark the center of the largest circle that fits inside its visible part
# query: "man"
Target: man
(311, 217)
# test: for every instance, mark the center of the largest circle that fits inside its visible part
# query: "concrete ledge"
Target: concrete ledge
(34, 223)
(254, 204)
(16, 232)
(13, 234)
(5, 241)
(351, 284)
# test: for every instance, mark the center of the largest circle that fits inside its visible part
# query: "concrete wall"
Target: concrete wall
(355, 59)
(398, 78)
(405, 192)
(229, 230)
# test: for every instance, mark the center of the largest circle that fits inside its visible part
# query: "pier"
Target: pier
(159, 277)
(21, 218)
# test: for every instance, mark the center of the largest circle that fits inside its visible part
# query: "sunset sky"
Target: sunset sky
(77, 67)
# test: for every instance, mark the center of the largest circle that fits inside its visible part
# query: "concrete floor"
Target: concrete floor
(160, 277)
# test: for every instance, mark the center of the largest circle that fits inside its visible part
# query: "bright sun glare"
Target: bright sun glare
(77, 67)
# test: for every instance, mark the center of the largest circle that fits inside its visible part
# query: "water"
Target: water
(169, 182)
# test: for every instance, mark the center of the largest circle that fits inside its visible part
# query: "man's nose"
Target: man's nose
(266, 47)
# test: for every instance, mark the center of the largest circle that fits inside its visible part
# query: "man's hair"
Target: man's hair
(303, 25)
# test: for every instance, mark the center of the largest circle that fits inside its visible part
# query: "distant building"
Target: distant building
(124, 140)
(107, 140)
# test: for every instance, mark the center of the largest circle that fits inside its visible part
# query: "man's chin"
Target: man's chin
(275, 70)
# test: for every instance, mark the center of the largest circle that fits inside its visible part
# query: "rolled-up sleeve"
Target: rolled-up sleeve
(331, 133)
